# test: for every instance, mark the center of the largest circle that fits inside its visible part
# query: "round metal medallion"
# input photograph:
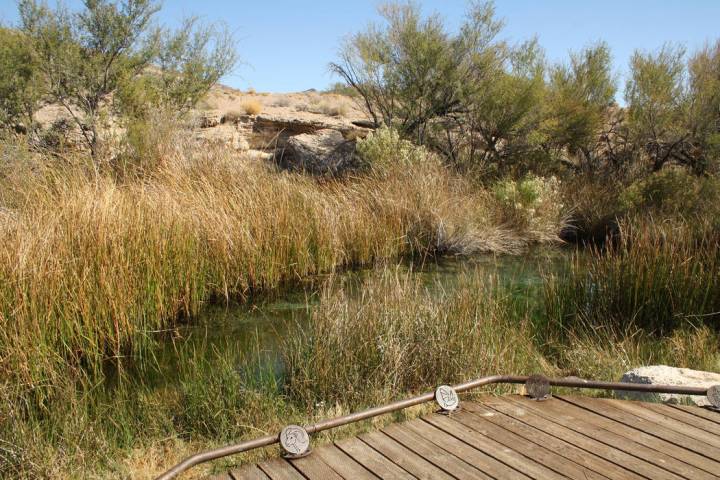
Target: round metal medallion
(295, 441)
(538, 387)
(447, 398)
(713, 395)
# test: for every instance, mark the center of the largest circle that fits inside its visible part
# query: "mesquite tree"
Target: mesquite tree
(86, 56)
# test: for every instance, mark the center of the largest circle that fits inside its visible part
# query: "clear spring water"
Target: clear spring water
(254, 331)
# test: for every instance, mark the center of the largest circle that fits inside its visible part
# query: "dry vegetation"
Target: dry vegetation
(104, 254)
(91, 264)
(252, 107)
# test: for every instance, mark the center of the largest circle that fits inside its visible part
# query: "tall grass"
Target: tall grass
(400, 335)
(95, 260)
(389, 337)
(96, 263)
(659, 276)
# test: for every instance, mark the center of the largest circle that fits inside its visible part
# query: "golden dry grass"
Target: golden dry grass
(88, 264)
(91, 264)
(252, 107)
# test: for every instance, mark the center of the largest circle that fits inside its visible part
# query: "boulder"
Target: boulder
(322, 152)
(664, 375)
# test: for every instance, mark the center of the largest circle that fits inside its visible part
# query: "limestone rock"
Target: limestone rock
(210, 118)
(224, 135)
(274, 131)
(664, 375)
(323, 152)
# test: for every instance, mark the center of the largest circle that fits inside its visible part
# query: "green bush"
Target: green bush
(384, 148)
(20, 85)
(671, 191)
(529, 202)
(114, 47)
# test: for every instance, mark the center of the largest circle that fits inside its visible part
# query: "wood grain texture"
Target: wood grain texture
(516, 438)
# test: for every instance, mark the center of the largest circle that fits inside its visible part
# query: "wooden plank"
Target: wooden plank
(312, 466)
(685, 417)
(557, 445)
(502, 453)
(470, 454)
(343, 464)
(652, 449)
(221, 476)
(404, 458)
(516, 438)
(670, 456)
(280, 469)
(641, 410)
(372, 460)
(443, 459)
(588, 437)
(250, 472)
(644, 425)
(529, 449)
(705, 413)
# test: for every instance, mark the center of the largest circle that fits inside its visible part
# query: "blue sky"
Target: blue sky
(286, 45)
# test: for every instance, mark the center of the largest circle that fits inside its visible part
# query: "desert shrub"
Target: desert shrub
(531, 202)
(674, 107)
(657, 101)
(704, 113)
(339, 88)
(302, 107)
(411, 70)
(498, 132)
(579, 95)
(21, 84)
(282, 102)
(251, 91)
(384, 148)
(100, 50)
(672, 191)
(335, 108)
(252, 107)
(232, 116)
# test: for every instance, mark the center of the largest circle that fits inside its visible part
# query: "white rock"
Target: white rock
(664, 375)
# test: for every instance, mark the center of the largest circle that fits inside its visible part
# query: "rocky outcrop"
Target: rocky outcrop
(210, 118)
(324, 152)
(274, 131)
(664, 375)
(290, 137)
(223, 135)
(294, 129)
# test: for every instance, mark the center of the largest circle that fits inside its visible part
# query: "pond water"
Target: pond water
(254, 331)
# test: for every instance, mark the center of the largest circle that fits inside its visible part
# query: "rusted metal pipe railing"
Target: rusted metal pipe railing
(424, 398)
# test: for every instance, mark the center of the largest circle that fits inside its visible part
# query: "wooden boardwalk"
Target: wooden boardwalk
(517, 438)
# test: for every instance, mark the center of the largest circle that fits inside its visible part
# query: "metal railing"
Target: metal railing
(427, 397)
